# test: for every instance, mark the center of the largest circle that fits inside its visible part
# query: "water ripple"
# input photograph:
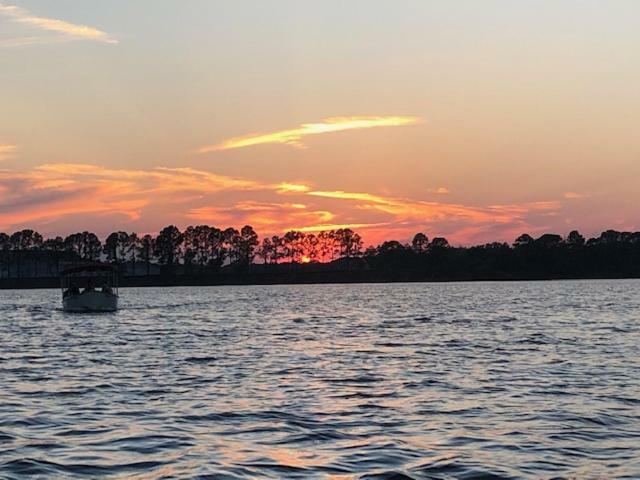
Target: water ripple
(338, 382)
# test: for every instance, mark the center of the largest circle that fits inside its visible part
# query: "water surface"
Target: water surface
(460, 380)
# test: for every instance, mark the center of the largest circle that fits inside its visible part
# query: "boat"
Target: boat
(90, 288)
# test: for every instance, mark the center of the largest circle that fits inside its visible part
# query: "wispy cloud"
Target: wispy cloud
(402, 216)
(293, 137)
(63, 28)
(365, 197)
(265, 217)
(287, 187)
(7, 150)
(100, 198)
(336, 226)
(575, 195)
(54, 191)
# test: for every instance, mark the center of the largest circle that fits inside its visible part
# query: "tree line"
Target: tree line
(200, 247)
(205, 249)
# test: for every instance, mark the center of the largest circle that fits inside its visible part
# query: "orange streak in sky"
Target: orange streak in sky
(294, 136)
(54, 191)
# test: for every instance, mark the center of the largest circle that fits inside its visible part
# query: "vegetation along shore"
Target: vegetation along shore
(206, 255)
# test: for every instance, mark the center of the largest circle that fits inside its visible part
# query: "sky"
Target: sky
(477, 121)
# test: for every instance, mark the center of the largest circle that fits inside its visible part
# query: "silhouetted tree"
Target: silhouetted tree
(370, 252)
(609, 237)
(575, 239)
(336, 244)
(245, 244)
(167, 246)
(54, 247)
(116, 247)
(310, 244)
(277, 246)
(145, 249)
(439, 242)
(325, 246)
(549, 240)
(84, 244)
(216, 247)
(194, 246)
(230, 245)
(55, 244)
(350, 242)
(23, 241)
(265, 251)
(611, 254)
(523, 240)
(131, 249)
(392, 255)
(110, 247)
(5, 246)
(390, 246)
(292, 243)
(420, 243)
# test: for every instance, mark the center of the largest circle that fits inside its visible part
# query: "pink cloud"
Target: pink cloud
(100, 198)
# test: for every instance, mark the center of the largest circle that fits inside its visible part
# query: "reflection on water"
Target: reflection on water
(492, 380)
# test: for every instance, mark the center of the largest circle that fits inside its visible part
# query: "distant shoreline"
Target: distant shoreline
(175, 258)
(290, 278)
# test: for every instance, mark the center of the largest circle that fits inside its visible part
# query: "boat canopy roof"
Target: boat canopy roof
(89, 268)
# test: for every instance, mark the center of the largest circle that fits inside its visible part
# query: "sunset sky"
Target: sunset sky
(474, 120)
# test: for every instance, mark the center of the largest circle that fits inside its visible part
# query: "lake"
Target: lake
(376, 381)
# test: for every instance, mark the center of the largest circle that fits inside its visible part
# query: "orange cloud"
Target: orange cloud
(53, 191)
(160, 180)
(575, 195)
(266, 218)
(291, 188)
(336, 226)
(406, 216)
(145, 200)
(65, 29)
(339, 194)
(402, 208)
(294, 136)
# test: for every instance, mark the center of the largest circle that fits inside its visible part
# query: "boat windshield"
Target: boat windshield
(85, 279)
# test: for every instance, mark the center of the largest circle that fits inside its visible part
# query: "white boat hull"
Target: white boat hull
(91, 302)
